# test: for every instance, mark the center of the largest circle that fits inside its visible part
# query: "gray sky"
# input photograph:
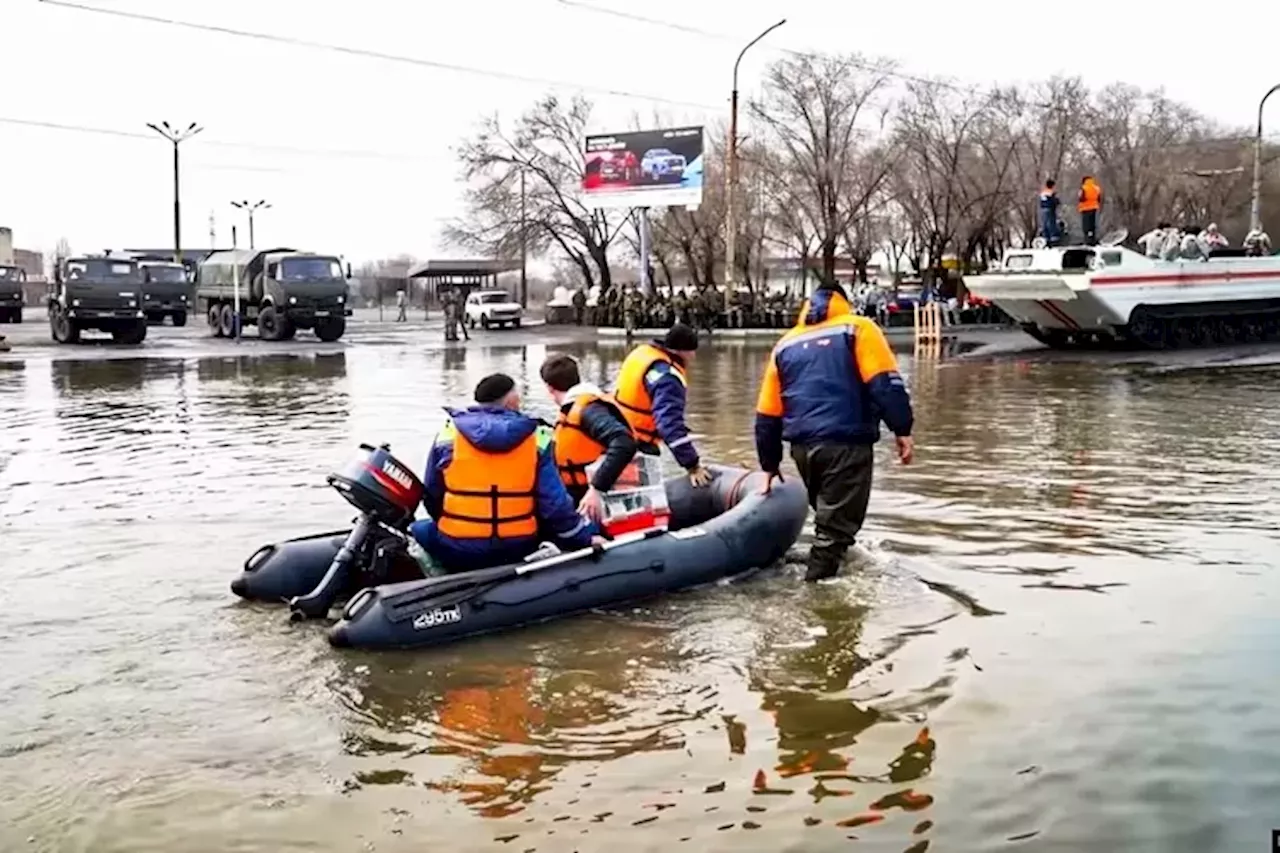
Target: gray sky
(285, 106)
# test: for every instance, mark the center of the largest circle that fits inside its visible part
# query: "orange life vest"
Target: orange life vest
(1090, 197)
(490, 495)
(633, 398)
(575, 450)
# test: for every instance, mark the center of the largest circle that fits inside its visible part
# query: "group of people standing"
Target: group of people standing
(1088, 205)
(704, 307)
(500, 482)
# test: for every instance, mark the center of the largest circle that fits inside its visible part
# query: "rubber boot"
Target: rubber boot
(822, 564)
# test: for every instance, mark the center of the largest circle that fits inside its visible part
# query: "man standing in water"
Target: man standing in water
(828, 384)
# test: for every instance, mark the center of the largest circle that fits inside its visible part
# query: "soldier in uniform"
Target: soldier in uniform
(748, 303)
(451, 301)
(680, 307)
(733, 318)
(630, 305)
(579, 305)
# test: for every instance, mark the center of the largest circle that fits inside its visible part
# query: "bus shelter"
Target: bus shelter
(465, 276)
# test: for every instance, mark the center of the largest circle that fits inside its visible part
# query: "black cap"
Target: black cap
(680, 338)
(493, 388)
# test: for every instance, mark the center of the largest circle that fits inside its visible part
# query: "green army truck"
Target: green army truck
(11, 302)
(166, 291)
(97, 292)
(281, 291)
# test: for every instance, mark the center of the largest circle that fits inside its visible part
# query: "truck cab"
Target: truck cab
(278, 290)
(11, 280)
(166, 291)
(100, 293)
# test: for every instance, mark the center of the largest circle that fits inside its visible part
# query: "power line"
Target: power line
(727, 37)
(249, 146)
(375, 54)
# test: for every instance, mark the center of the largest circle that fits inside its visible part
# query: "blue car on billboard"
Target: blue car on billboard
(661, 165)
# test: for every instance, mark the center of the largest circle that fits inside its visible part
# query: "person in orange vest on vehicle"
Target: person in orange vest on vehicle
(491, 485)
(650, 391)
(590, 429)
(1089, 206)
(828, 384)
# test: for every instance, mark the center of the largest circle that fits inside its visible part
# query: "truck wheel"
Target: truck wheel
(268, 324)
(215, 319)
(226, 321)
(330, 328)
(287, 330)
(179, 318)
(131, 335)
(63, 328)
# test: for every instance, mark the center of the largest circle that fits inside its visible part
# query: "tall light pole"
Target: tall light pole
(251, 208)
(176, 137)
(731, 223)
(524, 244)
(1255, 204)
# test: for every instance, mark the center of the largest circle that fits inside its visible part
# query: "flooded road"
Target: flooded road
(1058, 633)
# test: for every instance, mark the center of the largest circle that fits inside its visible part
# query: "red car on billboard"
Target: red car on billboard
(612, 167)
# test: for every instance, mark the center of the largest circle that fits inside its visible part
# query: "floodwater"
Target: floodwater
(1059, 633)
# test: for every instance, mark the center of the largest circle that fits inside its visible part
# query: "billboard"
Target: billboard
(644, 168)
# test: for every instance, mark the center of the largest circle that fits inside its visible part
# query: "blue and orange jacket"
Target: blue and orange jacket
(650, 392)
(492, 487)
(832, 378)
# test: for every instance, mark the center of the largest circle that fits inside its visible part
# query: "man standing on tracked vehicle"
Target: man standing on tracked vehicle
(650, 392)
(590, 428)
(827, 385)
(491, 484)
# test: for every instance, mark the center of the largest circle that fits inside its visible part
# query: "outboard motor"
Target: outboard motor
(387, 495)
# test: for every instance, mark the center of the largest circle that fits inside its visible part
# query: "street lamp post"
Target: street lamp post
(1255, 204)
(176, 137)
(731, 222)
(250, 208)
(524, 243)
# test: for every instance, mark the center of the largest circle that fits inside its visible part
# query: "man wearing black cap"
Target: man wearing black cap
(651, 394)
(492, 485)
(827, 386)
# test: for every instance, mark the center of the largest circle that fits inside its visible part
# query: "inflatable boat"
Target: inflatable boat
(725, 529)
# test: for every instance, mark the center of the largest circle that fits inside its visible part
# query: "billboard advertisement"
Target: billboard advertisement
(644, 168)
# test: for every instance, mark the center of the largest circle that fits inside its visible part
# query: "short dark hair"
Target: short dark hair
(560, 372)
(1051, 183)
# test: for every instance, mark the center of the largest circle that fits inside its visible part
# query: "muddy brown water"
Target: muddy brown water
(1059, 633)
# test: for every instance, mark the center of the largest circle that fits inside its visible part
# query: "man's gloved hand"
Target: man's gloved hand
(700, 477)
(768, 483)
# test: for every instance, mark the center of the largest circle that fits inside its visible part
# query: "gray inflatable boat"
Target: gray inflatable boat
(716, 532)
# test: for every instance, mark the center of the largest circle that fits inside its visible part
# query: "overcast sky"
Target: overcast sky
(287, 106)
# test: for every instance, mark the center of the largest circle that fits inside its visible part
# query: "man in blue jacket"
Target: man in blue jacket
(828, 384)
(492, 485)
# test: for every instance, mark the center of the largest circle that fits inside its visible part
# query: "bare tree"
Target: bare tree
(825, 115)
(545, 147)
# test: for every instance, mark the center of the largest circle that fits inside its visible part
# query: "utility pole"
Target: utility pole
(524, 246)
(1255, 202)
(176, 137)
(251, 208)
(731, 224)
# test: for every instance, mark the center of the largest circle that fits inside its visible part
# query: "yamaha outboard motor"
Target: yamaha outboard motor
(387, 494)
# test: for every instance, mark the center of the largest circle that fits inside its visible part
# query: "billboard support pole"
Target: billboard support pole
(731, 193)
(642, 221)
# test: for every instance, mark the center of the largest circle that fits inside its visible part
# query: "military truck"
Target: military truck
(281, 291)
(11, 302)
(97, 292)
(166, 291)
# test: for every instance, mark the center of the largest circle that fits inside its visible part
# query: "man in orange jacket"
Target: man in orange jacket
(491, 485)
(1089, 206)
(828, 384)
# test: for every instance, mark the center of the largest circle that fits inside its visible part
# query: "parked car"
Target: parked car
(488, 308)
(661, 164)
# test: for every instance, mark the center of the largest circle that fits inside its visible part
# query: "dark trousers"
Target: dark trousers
(838, 478)
(1089, 225)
